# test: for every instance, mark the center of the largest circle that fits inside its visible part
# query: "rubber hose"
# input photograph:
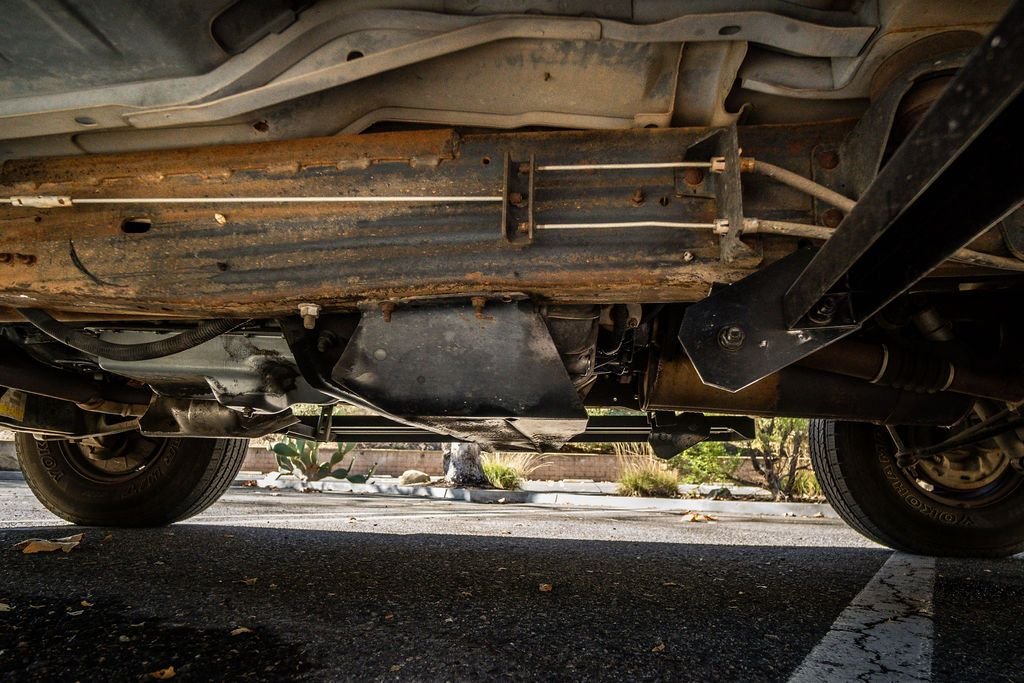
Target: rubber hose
(818, 232)
(805, 185)
(93, 346)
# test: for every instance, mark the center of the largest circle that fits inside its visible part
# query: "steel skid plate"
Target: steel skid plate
(496, 377)
(763, 343)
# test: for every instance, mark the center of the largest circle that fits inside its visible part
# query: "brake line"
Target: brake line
(715, 165)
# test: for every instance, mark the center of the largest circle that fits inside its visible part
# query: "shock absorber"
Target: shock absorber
(935, 328)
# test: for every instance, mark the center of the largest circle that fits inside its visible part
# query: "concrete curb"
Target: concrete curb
(733, 507)
(595, 500)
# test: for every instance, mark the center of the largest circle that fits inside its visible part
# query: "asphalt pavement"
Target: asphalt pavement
(270, 586)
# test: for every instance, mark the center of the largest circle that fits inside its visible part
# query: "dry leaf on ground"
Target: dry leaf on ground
(545, 588)
(697, 517)
(240, 630)
(660, 647)
(4, 607)
(162, 674)
(248, 582)
(31, 546)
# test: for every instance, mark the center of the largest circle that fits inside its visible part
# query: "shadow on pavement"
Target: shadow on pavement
(367, 606)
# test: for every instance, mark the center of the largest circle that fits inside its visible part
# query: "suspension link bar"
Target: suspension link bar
(600, 429)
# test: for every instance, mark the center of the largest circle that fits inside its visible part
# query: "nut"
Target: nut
(731, 337)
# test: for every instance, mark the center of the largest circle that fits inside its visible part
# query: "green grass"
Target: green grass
(649, 482)
(509, 470)
(502, 475)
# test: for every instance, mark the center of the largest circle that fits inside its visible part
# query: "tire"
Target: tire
(856, 466)
(146, 482)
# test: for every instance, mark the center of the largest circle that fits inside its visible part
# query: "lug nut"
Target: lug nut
(309, 313)
(731, 337)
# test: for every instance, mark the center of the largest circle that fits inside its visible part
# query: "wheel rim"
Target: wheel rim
(114, 457)
(969, 477)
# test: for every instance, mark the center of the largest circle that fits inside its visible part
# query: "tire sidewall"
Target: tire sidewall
(904, 513)
(157, 495)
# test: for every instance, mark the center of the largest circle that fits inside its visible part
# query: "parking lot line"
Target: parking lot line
(886, 632)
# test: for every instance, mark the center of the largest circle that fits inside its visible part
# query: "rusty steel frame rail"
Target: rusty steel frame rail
(257, 260)
(262, 260)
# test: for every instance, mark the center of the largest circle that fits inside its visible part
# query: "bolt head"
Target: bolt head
(693, 176)
(832, 217)
(828, 159)
(731, 337)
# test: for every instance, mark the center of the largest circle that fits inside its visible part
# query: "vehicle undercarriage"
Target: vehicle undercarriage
(477, 223)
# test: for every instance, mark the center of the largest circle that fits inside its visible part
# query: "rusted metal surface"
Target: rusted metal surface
(672, 383)
(265, 259)
(915, 371)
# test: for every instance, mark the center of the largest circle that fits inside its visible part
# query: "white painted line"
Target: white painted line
(885, 634)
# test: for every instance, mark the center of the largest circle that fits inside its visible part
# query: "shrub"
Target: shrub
(707, 462)
(501, 476)
(651, 482)
(301, 457)
(508, 470)
(805, 485)
(642, 474)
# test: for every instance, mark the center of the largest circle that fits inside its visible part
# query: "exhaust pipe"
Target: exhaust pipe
(672, 383)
